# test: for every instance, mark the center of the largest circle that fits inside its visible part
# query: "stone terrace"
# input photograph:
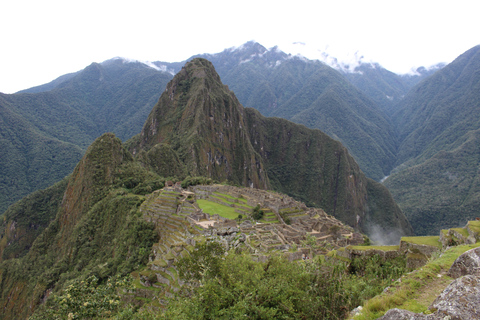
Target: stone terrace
(274, 233)
(180, 224)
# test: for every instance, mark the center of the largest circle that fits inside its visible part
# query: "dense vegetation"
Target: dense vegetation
(27, 218)
(60, 119)
(436, 183)
(231, 286)
(44, 134)
(30, 158)
(234, 286)
(313, 94)
(97, 229)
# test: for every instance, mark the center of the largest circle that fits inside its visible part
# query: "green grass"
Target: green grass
(225, 195)
(215, 208)
(263, 221)
(474, 226)
(223, 200)
(418, 289)
(382, 248)
(429, 241)
(245, 201)
(462, 231)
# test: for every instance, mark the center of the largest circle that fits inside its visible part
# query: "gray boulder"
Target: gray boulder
(467, 263)
(400, 314)
(460, 299)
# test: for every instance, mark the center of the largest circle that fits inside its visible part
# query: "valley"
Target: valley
(264, 205)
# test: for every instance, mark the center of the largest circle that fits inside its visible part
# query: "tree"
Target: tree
(203, 263)
(85, 299)
(257, 214)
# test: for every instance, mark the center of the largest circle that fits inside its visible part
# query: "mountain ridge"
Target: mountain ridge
(215, 136)
(438, 159)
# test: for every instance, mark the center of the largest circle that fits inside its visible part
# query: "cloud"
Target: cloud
(382, 236)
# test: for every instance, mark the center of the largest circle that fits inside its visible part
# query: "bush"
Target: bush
(257, 214)
(193, 181)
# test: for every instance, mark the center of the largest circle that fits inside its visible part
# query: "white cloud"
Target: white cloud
(45, 39)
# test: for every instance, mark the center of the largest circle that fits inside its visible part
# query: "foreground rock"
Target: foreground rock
(460, 300)
(399, 314)
(467, 263)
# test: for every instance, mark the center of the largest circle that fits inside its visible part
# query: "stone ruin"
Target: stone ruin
(181, 223)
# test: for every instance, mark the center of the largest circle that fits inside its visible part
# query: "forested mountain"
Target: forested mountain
(384, 87)
(90, 222)
(212, 135)
(45, 133)
(376, 114)
(436, 181)
(117, 95)
(30, 159)
(311, 93)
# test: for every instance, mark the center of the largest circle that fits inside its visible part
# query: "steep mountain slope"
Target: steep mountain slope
(96, 229)
(439, 111)
(311, 166)
(46, 133)
(311, 93)
(30, 159)
(204, 123)
(386, 88)
(444, 190)
(214, 136)
(197, 127)
(438, 123)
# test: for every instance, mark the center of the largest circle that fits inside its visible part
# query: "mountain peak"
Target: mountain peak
(122, 60)
(204, 124)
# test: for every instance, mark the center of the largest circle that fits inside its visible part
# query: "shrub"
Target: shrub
(257, 214)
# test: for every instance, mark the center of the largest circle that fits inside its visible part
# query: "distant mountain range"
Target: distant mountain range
(436, 180)
(372, 111)
(91, 222)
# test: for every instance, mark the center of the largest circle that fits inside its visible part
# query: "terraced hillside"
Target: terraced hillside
(202, 213)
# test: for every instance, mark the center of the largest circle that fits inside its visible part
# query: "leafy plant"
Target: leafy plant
(85, 299)
(257, 213)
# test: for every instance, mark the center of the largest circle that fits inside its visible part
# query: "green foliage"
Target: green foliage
(279, 289)
(377, 268)
(29, 217)
(257, 213)
(382, 210)
(203, 263)
(85, 299)
(404, 294)
(98, 230)
(435, 183)
(315, 95)
(47, 130)
(193, 181)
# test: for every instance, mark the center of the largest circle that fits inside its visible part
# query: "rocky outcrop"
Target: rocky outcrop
(467, 263)
(459, 300)
(400, 314)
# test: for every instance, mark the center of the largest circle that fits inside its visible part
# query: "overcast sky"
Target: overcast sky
(41, 40)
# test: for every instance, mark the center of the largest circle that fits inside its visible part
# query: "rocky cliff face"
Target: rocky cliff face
(205, 125)
(310, 165)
